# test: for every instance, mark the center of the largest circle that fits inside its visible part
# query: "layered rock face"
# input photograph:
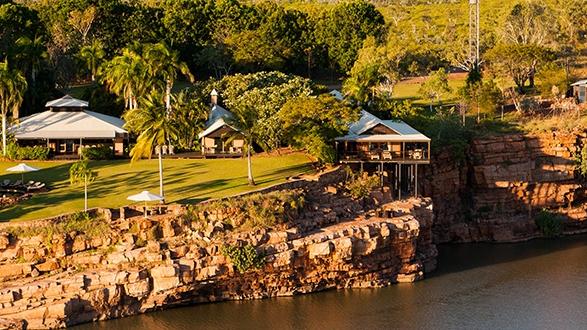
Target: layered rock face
(503, 182)
(333, 242)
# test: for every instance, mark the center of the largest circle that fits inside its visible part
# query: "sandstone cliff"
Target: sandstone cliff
(139, 265)
(496, 190)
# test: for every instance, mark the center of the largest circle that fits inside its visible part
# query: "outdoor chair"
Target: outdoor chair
(171, 150)
(35, 186)
(164, 149)
(417, 154)
(16, 184)
(6, 183)
(374, 157)
(157, 150)
(387, 155)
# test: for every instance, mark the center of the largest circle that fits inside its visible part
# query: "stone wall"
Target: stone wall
(495, 192)
(144, 265)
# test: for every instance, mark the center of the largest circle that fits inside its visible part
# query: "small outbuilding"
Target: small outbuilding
(580, 90)
(220, 138)
(67, 125)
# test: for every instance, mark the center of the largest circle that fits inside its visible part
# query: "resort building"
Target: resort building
(67, 125)
(393, 147)
(580, 90)
(219, 138)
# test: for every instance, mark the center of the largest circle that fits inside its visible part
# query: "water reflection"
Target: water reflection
(533, 285)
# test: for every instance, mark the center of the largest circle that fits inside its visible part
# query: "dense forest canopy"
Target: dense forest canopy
(124, 50)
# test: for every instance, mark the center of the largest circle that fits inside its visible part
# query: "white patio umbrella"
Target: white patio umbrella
(22, 168)
(145, 196)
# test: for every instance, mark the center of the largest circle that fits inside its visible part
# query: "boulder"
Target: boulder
(48, 266)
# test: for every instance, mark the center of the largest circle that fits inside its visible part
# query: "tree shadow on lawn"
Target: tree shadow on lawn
(292, 170)
(39, 202)
(49, 175)
(201, 191)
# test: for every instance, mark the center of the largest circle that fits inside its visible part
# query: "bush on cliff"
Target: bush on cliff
(80, 222)
(360, 185)
(251, 211)
(243, 258)
(550, 224)
(582, 161)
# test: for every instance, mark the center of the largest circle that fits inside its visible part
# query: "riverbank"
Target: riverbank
(320, 238)
(532, 285)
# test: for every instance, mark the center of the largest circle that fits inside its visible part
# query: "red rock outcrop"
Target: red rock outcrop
(144, 265)
(494, 192)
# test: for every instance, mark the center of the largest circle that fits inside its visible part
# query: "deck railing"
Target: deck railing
(383, 155)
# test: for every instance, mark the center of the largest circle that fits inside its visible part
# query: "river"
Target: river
(540, 284)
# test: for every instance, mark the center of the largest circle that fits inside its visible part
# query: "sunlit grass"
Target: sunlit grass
(186, 181)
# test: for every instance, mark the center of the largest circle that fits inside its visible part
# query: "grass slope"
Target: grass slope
(186, 181)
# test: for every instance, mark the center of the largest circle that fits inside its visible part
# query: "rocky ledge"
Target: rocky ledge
(140, 265)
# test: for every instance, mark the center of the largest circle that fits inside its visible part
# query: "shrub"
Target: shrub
(582, 161)
(16, 152)
(251, 211)
(549, 223)
(97, 153)
(360, 185)
(243, 258)
(78, 222)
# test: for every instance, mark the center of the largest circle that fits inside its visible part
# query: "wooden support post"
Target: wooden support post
(203, 147)
(416, 180)
(361, 167)
(399, 191)
(381, 174)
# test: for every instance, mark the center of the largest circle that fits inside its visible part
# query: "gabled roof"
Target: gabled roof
(337, 94)
(368, 121)
(68, 125)
(67, 102)
(580, 82)
(217, 112)
(217, 119)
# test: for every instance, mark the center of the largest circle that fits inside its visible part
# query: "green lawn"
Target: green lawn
(186, 181)
(409, 89)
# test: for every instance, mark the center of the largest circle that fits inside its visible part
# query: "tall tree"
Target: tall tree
(13, 85)
(344, 28)
(435, 86)
(164, 63)
(245, 120)
(189, 117)
(92, 55)
(128, 76)
(30, 56)
(82, 20)
(517, 61)
(155, 129)
(81, 173)
(312, 123)
(376, 71)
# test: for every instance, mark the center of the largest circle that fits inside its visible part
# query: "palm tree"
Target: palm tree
(155, 128)
(245, 120)
(189, 117)
(127, 75)
(164, 63)
(80, 173)
(13, 85)
(30, 55)
(92, 55)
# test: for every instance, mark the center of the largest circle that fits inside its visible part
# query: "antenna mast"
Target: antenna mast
(474, 31)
